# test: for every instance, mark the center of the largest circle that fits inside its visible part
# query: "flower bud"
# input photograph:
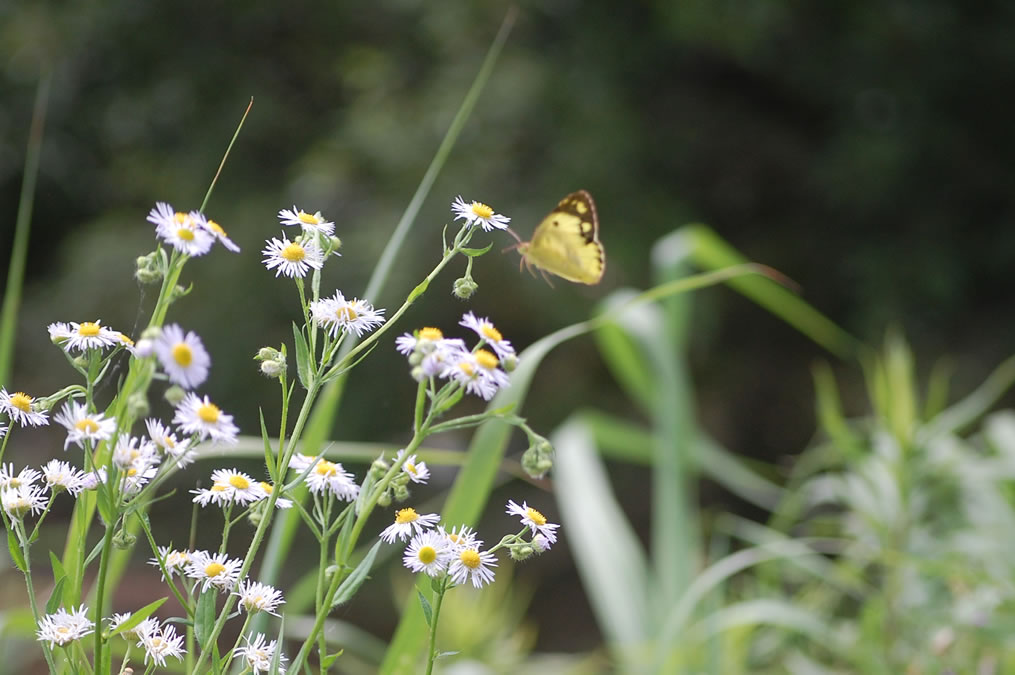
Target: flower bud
(378, 468)
(401, 492)
(336, 244)
(464, 288)
(385, 499)
(538, 459)
(137, 405)
(174, 395)
(124, 540)
(521, 552)
(273, 368)
(509, 362)
(149, 269)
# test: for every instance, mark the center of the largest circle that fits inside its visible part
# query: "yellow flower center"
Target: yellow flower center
(131, 471)
(216, 228)
(87, 425)
(481, 210)
(168, 442)
(125, 340)
(427, 555)
(185, 234)
(63, 629)
(88, 329)
(535, 516)
(14, 482)
(214, 569)
(346, 313)
(470, 558)
(219, 487)
(490, 333)
(411, 468)
(267, 487)
(454, 538)
(404, 516)
(22, 401)
(239, 482)
(431, 334)
(293, 252)
(209, 412)
(486, 359)
(467, 368)
(156, 642)
(182, 354)
(326, 468)
(304, 217)
(180, 217)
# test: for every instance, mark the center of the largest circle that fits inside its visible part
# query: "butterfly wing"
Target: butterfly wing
(567, 244)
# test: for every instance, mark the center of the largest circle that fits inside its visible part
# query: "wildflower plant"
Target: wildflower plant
(117, 458)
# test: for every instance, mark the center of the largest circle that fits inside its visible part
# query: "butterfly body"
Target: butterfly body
(566, 242)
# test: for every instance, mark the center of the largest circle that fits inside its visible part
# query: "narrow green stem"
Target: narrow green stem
(19, 528)
(439, 600)
(107, 549)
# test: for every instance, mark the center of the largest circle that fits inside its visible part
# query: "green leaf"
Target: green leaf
(303, 367)
(627, 364)
(330, 658)
(425, 605)
(276, 658)
(269, 457)
(94, 553)
(58, 570)
(351, 583)
(139, 616)
(204, 617)
(418, 291)
(105, 504)
(56, 597)
(476, 252)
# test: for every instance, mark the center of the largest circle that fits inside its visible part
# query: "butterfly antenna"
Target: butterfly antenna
(512, 233)
(546, 278)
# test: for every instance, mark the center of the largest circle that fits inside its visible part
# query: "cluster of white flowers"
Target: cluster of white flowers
(230, 486)
(82, 337)
(477, 370)
(259, 653)
(160, 641)
(326, 476)
(435, 550)
(307, 251)
(192, 233)
(23, 493)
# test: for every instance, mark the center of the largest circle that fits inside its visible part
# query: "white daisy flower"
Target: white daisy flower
(180, 452)
(466, 369)
(64, 627)
(407, 522)
(62, 476)
(136, 477)
(92, 479)
(292, 258)
(428, 552)
(258, 597)
(230, 486)
(471, 563)
(214, 569)
(24, 478)
(416, 471)
(478, 213)
(336, 314)
(461, 537)
(310, 223)
(143, 628)
(281, 502)
(488, 332)
(180, 230)
(18, 408)
(183, 357)
(161, 643)
(136, 453)
(331, 477)
(534, 520)
(84, 426)
(424, 340)
(201, 417)
(175, 561)
(215, 229)
(84, 336)
(259, 654)
(21, 501)
(442, 355)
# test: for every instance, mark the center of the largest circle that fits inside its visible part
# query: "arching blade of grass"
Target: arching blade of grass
(22, 227)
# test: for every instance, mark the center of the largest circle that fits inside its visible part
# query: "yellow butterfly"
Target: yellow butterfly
(566, 243)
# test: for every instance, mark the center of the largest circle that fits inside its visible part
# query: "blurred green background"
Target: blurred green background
(863, 149)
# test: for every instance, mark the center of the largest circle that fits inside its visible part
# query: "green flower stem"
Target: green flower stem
(19, 529)
(438, 601)
(100, 594)
(262, 527)
(239, 636)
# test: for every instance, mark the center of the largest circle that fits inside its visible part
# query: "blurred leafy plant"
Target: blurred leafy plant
(922, 509)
